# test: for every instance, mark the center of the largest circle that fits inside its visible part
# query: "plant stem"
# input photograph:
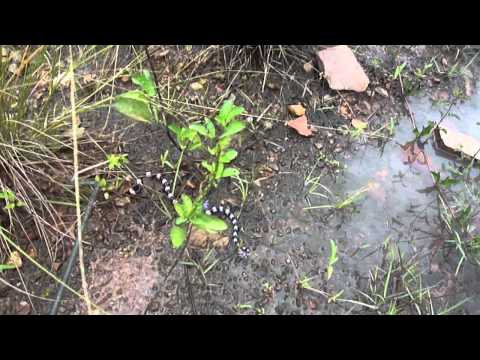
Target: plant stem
(75, 124)
(178, 168)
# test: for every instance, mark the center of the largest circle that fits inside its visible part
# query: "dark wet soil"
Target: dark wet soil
(128, 252)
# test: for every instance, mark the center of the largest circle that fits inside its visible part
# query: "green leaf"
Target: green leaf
(398, 70)
(211, 151)
(210, 128)
(146, 82)
(426, 130)
(448, 182)
(202, 130)
(228, 156)
(180, 220)
(224, 143)
(333, 253)
(178, 234)
(209, 223)
(227, 112)
(187, 204)
(208, 166)
(230, 172)
(175, 129)
(219, 172)
(180, 209)
(436, 176)
(6, 267)
(332, 259)
(233, 128)
(134, 104)
(9, 206)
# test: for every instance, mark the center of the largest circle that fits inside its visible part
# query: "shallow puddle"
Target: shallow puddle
(385, 195)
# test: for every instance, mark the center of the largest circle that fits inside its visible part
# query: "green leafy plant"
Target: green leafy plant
(11, 200)
(212, 139)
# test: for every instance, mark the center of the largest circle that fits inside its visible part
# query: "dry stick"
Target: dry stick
(150, 62)
(407, 105)
(75, 124)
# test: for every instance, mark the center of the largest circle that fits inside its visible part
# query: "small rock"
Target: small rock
(23, 308)
(319, 146)
(297, 110)
(342, 70)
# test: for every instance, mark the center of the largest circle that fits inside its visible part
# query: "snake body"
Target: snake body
(220, 210)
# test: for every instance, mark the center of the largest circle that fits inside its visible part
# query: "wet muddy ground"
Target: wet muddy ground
(289, 217)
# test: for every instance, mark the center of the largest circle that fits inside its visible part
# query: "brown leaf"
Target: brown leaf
(342, 70)
(301, 126)
(202, 238)
(297, 110)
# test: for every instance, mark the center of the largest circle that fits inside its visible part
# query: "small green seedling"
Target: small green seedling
(398, 71)
(115, 161)
(332, 259)
(421, 73)
(11, 200)
(426, 131)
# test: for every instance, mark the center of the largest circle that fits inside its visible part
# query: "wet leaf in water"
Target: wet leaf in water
(301, 126)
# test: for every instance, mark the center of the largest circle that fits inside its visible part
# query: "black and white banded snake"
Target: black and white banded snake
(221, 210)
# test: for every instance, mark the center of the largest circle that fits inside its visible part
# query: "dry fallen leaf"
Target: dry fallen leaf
(202, 238)
(63, 79)
(88, 78)
(15, 259)
(457, 141)
(344, 111)
(301, 126)
(308, 67)
(297, 110)
(342, 70)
